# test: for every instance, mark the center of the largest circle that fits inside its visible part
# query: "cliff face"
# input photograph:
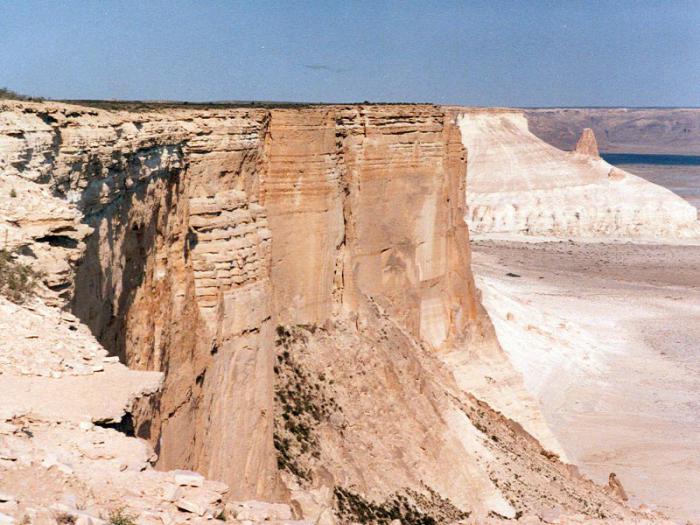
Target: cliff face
(183, 277)
(175, 276)
(302, 279)
(367, 201)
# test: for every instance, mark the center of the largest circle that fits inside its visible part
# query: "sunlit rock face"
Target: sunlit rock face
(519, 185)
(181, 273)
(302, 279)
(367, 201)
(176, 273)
(587, 144)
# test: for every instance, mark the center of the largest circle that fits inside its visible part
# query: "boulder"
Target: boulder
(188, 478)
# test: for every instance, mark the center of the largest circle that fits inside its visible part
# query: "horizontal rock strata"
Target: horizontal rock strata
(218, 234)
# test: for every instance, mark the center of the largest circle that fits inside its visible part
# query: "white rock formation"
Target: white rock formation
(520, 185)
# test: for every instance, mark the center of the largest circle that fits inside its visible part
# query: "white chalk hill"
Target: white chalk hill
(518, 185)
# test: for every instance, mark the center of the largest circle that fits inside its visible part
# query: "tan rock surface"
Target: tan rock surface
(160, 240)
(63, 448)
(216, 232)
(376, 195)
(587, 144)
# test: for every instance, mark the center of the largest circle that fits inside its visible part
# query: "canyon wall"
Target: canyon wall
(302, 278)
(180, 273)
(175, 276)
(368, 201)
(519, 185)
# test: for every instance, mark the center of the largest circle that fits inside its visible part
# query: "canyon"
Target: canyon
(291, 291)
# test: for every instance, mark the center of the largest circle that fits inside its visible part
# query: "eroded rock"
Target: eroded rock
(587, 144)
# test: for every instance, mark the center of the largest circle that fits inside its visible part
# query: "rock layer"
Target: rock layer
(587, 144)
(367, 202)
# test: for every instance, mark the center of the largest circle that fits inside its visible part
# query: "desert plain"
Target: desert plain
(606, 336)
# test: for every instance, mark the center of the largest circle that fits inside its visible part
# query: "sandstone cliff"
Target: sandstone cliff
(256, 255)
(520, 185)
(367, 202)
(160, 240)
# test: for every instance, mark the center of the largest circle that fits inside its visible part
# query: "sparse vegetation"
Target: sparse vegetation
(8, 94)
(410, 508)
(13, 193)
(63, 518)
(18, 281)
(303, 401)
(120, 517)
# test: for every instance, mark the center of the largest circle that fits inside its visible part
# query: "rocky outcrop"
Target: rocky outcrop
(521, 186)
(160, 239)
(587, 144)
(67, 451)
(36, 226)
(238, 249)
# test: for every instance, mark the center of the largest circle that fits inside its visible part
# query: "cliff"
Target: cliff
(353, 197)
(301, 277)
(521, 186)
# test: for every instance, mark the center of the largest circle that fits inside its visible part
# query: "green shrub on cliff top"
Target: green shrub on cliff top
(120, 517)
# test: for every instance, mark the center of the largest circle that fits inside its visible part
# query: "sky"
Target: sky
(481, 53)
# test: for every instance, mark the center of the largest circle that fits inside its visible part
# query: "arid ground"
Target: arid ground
(607, 338)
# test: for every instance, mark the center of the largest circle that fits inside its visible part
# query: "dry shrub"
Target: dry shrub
(18, 281)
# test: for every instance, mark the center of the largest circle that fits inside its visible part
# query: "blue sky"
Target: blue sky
(507, 53)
